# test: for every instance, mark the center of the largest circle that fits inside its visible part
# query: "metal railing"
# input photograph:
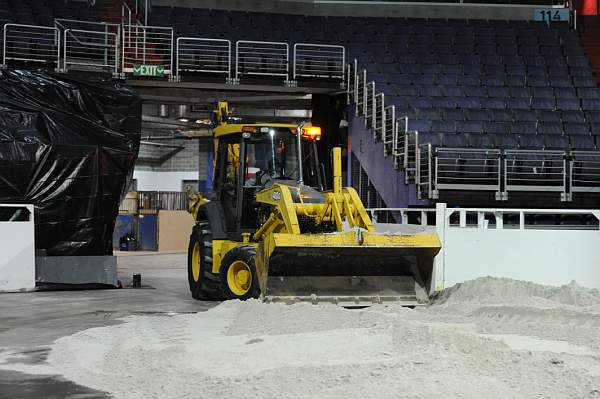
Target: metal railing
(466, 169)
(369, 102)
(400, 142)
(424, 173)
(206, 56)
(141, 8)
(411, 142)
(151, 201)
(128, 206)
(490, 218)
(359, 92)
(319, 61)
(66, 23)
(89, 45)
(523, 219)
(535, 170)
(379, 117)
(351, 82)
(584, 171)
(97, 50)
(261, 59)
(389, 129)
(147, 45)
(152, 51)
(31, 43)
(404, 216)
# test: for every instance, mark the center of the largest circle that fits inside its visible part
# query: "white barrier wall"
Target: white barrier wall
(551, 255)
(17, 260)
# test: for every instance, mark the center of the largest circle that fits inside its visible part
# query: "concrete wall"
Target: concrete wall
(364, 8)
(174, 228)
(188, 159)
(191, 163)
(162, 181)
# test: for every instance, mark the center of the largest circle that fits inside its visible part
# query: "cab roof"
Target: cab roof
(233, 128)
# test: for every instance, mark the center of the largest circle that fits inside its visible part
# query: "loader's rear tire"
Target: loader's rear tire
(238, 273)
(204, 284)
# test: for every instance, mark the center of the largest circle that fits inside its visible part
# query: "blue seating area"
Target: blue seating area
(475, 77)
(511, 78)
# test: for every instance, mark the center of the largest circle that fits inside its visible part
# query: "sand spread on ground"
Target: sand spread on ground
(486, 338)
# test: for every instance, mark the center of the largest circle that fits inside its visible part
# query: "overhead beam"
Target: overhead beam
(227, 87)
(236, 99)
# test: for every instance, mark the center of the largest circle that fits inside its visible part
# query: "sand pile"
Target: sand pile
(255, 350)
(493, 290)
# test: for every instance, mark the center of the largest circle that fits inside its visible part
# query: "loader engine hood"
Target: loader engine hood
(301, 193)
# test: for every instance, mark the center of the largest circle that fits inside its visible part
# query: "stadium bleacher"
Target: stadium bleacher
(491, 67)
(519, 86)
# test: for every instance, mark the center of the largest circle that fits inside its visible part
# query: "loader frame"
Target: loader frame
(269, 225)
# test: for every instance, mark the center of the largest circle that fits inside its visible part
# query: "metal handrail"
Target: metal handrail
(25, 56)
(400, 145)
(424, 171)
(401, 215)
(206, 52)
(360, 89)
(495, 215)
(584, 171)
(535, 170)
(64, 22)
(89, 46)
(369, 104)
(351, 81)
(149, 42)
(277, 57)
(321, 56)
(379, 117)
(480, 170)
(389, 129)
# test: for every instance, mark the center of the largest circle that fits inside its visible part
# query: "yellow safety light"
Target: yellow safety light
(249, 129)
(311, 132)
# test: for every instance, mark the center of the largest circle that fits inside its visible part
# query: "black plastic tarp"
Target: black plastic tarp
(68, 145)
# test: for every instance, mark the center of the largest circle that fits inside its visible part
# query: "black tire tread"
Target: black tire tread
(208, 287)
(247, 253)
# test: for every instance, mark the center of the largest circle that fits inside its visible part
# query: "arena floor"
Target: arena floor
(31, 322)
(490, 338)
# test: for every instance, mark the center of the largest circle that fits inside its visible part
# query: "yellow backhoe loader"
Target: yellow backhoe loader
(272, 229)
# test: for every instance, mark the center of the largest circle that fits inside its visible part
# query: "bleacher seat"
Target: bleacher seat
(531, 142)
(573, 129)
(504, 141)
(523, 128)
(573, 116)
(567, 104)
(585, 143)
(549, 128)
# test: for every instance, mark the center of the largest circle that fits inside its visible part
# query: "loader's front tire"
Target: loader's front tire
(238, 273)
(204, 284)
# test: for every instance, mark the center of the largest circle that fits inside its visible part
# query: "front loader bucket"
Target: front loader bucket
(349, 269)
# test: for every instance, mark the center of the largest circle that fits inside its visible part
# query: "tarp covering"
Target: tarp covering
(68, 145)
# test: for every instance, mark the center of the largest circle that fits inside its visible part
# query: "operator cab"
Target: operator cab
(258, 157)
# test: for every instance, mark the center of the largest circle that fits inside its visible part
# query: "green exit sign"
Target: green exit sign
(156, 71)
